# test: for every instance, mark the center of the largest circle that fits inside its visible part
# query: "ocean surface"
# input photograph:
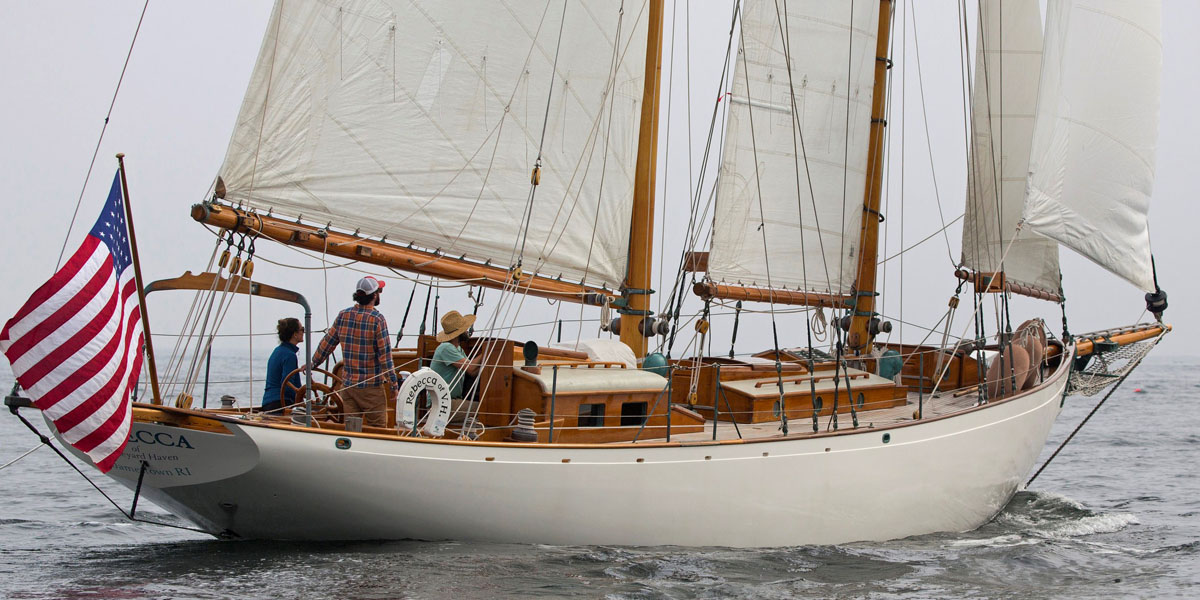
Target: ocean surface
(1116, 515)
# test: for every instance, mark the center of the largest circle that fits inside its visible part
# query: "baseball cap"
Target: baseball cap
(370, 285)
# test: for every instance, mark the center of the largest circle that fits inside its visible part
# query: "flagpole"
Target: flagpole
(137, 275)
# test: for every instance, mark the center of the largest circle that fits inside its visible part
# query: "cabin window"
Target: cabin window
(591, 415)
(633, 413)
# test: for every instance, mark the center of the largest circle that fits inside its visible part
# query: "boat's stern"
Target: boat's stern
(171, 452)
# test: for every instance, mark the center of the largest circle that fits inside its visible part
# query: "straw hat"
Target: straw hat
(454, 325)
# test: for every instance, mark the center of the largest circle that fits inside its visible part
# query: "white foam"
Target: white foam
(1001, 541)
(1096, 524)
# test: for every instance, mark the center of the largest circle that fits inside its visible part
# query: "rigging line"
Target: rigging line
(929, 140)
(903, 164)
(846, 151)
(965, 86)
(923, 240)
(46, 442)
(222, 311)
(797, 131)
(494, 132)
(15, 460)
(976, 317)
(87, 176)
(1095, 408)
(267, 96)
(997, 180)
(693, 187)
(887, 145)
(207, 303)
(179, 349)
(541, 140)
(783, 420)
(662, 256)
(618, 57)
(785, 34)
(695, 221)
(615, 65)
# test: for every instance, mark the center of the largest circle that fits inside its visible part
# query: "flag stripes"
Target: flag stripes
(76, 344)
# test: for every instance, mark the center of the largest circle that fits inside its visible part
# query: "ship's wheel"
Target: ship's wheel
(328, 403)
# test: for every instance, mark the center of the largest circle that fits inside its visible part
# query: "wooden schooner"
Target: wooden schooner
(514, 148)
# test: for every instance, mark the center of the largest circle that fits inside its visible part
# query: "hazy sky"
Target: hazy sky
(188, 72)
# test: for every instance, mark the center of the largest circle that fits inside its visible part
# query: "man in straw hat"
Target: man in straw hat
(366, 352)
(449, 361)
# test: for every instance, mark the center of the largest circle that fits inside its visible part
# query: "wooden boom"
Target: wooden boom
(996, 282)
(385, 254)
(707, 289)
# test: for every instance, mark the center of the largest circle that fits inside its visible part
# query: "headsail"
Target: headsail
(1092, 164)
(1007, 67)
(422, 121)
(810, 193)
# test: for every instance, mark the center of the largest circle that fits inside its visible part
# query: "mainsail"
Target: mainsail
(1007, 67)
(422, 121)
(1092, 163)
(793, 172)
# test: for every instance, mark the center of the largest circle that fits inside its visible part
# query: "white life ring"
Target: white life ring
(425, 379)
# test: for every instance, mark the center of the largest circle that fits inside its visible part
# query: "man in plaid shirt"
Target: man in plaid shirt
(366, 353)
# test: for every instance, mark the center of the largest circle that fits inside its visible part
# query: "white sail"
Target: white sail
(1092, 164)
(805, 201)
(421, 121)
(1007, 69)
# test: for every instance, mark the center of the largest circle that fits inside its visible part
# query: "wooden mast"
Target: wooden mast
(864, 284)
(641, 236)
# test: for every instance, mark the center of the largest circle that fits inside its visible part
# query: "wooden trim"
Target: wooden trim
(389, 255)
(818, 378)
(707, 289)
(208, 281)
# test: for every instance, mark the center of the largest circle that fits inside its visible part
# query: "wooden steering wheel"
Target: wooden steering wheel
(327, 402)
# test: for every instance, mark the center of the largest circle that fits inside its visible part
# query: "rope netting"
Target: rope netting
(1107, 367)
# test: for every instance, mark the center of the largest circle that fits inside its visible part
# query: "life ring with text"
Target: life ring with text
(423, 380)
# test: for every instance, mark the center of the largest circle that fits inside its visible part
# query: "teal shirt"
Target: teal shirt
(443, 364)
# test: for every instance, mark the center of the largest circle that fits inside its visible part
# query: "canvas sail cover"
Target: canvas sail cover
(788, 214)
(1004, 101)
(421, 121)
(1091, 170)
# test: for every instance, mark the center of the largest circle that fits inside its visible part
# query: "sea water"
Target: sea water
(1116, 515)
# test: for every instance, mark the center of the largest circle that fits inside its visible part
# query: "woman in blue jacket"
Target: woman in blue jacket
(283, 361)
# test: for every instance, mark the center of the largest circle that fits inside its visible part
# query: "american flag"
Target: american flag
(76, 344)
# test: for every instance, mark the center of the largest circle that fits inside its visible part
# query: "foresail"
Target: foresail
(789, 201)
(1092, 164)
(421, 122)
(1004, 99)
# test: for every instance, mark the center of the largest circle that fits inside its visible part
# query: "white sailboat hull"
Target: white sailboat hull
(948, 474)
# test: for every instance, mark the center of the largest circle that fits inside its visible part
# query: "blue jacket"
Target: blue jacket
(282, 361)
